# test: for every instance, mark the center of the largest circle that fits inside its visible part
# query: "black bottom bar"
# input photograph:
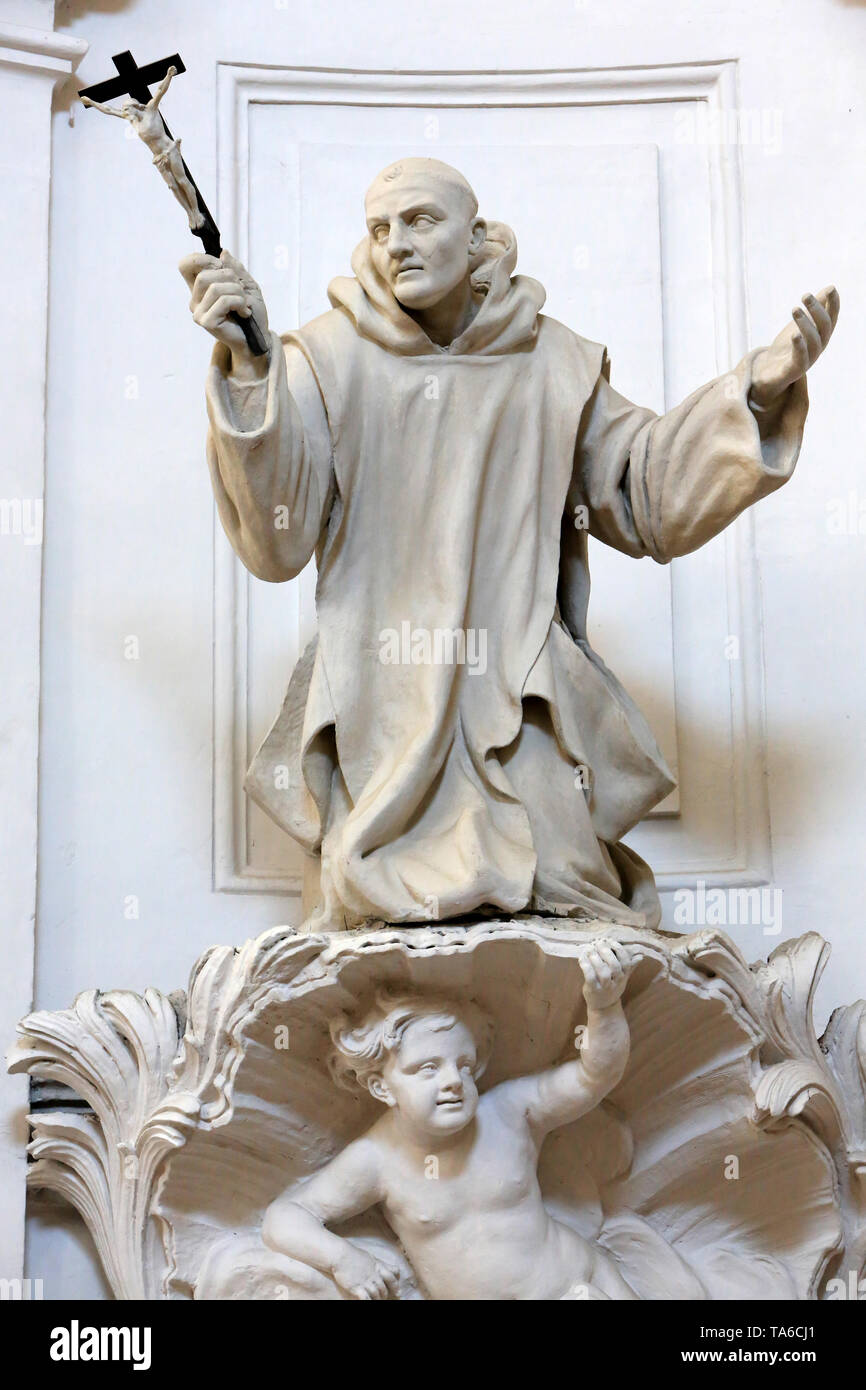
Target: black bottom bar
(210, 1342)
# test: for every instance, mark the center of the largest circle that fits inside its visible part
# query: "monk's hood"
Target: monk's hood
(506, 320)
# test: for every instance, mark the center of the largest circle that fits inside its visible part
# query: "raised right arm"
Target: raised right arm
(269, 447)
(561, 1094)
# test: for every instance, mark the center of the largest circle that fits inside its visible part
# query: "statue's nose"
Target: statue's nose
(398, 240)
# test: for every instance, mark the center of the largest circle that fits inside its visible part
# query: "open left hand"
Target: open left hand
(796, 348)
(606, 966)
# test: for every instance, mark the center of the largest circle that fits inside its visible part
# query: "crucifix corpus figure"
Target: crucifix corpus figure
(450, 743)
(145, 118)
(149, 126)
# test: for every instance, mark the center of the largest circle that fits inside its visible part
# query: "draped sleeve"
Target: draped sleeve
(663, 485)
(270, 458)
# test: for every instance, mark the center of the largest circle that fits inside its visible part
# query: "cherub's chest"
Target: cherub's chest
(431, 1194)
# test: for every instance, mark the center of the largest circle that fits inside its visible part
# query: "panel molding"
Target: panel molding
(714, 83)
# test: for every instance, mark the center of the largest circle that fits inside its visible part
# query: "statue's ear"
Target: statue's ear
(380, 1090)
(477, 236)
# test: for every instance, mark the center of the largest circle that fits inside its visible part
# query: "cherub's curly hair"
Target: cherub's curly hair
(362, 1045)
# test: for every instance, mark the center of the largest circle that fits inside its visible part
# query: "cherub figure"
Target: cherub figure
(149, 126)
(456, 1173)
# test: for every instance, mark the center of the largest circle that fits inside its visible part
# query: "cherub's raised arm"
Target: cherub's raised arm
(296, 1224)
(556, 1097)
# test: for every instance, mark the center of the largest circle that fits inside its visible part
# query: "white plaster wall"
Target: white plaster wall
(32, 59)
(126, 747)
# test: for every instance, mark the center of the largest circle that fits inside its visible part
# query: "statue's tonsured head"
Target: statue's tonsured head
(420, 1054)
(424, 229)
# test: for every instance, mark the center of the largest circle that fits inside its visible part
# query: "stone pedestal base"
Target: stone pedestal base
(729, 1161)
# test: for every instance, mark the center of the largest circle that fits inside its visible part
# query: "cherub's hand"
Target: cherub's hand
(361, 1276)
(796, 348)
(606, 967)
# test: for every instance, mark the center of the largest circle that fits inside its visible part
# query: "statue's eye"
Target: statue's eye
(381, 232)
(422, 220)
(428, 1068)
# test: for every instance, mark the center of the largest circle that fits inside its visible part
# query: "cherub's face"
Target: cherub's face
(422, 233)
(430, 1078)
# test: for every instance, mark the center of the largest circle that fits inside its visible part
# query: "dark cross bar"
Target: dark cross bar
(133, 81)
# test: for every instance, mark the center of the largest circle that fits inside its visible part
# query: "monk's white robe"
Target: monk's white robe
(438, 487)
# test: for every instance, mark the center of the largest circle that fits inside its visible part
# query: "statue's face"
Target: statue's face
(430, 1078)
(422, 235)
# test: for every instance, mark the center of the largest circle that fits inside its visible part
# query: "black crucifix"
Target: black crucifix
(148, 122)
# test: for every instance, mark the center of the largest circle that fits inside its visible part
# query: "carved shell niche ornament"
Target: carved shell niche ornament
(730, 1161)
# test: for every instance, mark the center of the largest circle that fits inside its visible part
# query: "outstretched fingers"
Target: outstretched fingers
(820, 317)
(807, 335)
(814, 325)
(829, 297)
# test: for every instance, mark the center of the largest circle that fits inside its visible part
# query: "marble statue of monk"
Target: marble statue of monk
(431, 440)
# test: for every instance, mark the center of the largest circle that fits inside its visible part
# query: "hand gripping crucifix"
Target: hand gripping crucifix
(143, 113)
